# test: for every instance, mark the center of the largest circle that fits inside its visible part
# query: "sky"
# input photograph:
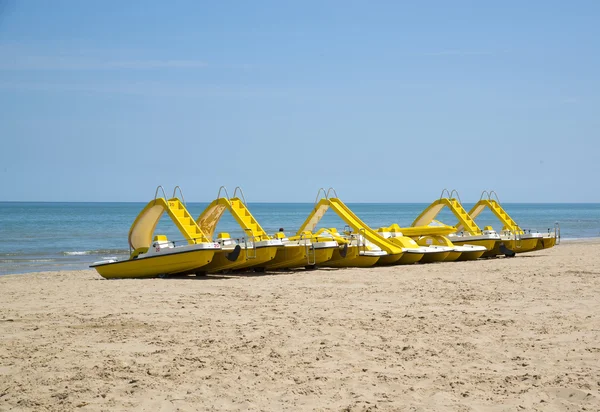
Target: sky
(386, 101)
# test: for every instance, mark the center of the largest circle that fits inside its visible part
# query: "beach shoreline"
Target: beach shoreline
(73, 265)
(491, 335)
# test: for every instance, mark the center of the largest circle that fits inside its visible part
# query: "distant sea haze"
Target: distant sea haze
(60, 236)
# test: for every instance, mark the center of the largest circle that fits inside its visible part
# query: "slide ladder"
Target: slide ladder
(209, 218)
(465, 221)
(245, 219)
(185, 222)
(142, 229)
(337, 206)
(494, 205)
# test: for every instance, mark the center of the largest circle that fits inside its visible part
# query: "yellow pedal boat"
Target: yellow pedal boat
(256, 247)
(399, 249)
(157, 256)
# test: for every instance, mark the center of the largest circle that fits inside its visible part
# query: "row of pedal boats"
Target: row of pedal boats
(203, 251)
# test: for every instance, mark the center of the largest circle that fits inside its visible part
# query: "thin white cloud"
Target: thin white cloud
(76, 63)
(187, 91)
(458, 53)
(570, 100)
(149, 89)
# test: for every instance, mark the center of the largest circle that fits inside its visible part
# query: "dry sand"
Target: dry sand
(491, 335)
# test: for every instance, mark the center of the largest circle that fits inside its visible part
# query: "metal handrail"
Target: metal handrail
(485, 192)
(516, 236)
(457, 195)
(445, 191)
(308, 247)
(249, 256)
(219, 194)
(311, 248)
(156, 193)
(241, 192)
(495, 195)
(174, 243)
(364, 237)
(180, 241)
(318, 193)
(180, 192)
(331, 189)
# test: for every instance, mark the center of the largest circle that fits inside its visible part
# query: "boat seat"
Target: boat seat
(224, 239)
(162, 242)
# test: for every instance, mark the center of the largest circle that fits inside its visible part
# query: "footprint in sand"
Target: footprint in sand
(573, 395)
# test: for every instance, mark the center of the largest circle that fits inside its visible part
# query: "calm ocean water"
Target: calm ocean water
(57, 236)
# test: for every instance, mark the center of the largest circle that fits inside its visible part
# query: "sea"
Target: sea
(38, 236)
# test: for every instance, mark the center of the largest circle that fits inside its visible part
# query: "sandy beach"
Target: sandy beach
(490, 335)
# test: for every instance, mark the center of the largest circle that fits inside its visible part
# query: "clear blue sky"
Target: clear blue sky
(387, 101)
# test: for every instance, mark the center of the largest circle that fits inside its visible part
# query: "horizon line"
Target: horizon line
(271, 202)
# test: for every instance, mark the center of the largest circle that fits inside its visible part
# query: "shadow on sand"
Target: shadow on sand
(248, 274)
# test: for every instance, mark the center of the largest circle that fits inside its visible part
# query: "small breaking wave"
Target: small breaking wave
(96, 252)
(21, 261)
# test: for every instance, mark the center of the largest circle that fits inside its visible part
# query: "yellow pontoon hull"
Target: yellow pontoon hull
(247, 258)
(353, 259)
(474, 255)
(390, 259)
(433, 239)
(434, 257)
(410, 258)
(517, 246)
(489, 244)
(545, 243)
(323, 255)
(522, 246)
(468, 251)
(454, 256)
(289, 257)
(168, 264)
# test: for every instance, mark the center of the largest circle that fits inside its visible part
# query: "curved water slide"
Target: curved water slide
(508, 224)
(155, 255)
(264, 251)
(465, 221)
(394, 252)
(142, 229)
(470, 233)
(210, 217)
(527, 241)
(400, 250)
(467, 231)
(435, 237)
(255, 249)
(350, 253)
